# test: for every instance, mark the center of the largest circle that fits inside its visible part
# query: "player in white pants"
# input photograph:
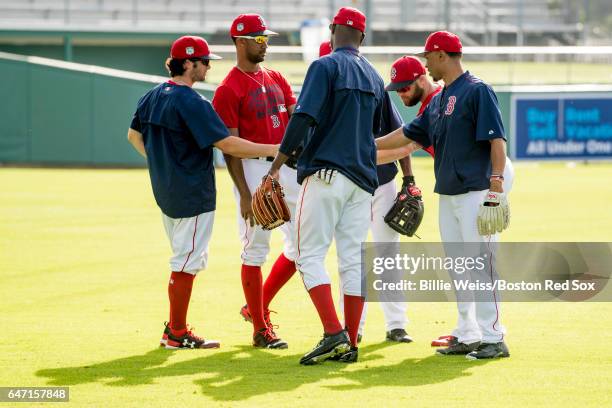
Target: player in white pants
(464, 125)
(255, 103)
(457, 223)
(384, 197)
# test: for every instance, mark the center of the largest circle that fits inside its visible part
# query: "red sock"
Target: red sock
(353, 307)
(282, 270)
(251, 284)
(322, 299)
(179, 293)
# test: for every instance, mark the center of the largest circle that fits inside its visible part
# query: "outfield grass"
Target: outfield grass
(83, 280)
(493, 72)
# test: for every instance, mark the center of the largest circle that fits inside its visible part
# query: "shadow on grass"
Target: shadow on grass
(244, 372)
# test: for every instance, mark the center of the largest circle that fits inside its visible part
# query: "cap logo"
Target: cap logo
(349, 22)
(393, 73)
(436, 46)
(189, 50)
(240, 27)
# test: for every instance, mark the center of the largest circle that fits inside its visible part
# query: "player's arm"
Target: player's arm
(391, 155)
(297, 129)
(498, 163)
(135, 138)
(245, 149)
(236, 171)
(395, 140)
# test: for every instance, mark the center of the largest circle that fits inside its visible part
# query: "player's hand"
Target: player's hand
(407, 181)
(274, 173)
(246, 210)
(494, 214)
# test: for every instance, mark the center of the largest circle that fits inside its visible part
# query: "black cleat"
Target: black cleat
(164, 339)
(330, 346)
(350, 356)
(189, 340)
(399, 335)
(489, 350)
(458, 348)
(266, 338)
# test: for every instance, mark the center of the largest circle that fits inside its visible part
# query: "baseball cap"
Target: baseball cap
(404, 71)
(250, 24)
(442, 41)
(190, 46)
(325, 48)
(351, 17)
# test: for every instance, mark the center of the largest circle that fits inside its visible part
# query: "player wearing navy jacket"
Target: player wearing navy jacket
(175, 129)
(336, 117)
(463, 124)
(394, 310)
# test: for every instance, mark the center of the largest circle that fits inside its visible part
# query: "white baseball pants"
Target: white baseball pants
(189, 239)
(477, 321)
(394, 312)
(324, 211)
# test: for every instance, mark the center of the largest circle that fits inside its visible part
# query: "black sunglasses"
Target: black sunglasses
(202, 60)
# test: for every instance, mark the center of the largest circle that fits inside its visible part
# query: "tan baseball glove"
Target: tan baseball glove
(269, 205)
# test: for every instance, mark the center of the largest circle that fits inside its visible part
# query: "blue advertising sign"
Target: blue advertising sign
(562, 126)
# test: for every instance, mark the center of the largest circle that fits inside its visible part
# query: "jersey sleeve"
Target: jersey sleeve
(136, 125)
(202, 121)
(488, 116)
(393, 119)
(315, 91)
(227, 106)
(418, 129)
(290, 98)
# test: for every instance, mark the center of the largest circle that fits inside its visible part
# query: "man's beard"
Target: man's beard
(418, 94)
(255, 58)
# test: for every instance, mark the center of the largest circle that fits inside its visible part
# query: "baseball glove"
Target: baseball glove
(269, 205)
(494, 214)
(407, 212)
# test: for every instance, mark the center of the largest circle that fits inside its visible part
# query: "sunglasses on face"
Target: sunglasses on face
(404, 89)
(259, 39)
(202, 60)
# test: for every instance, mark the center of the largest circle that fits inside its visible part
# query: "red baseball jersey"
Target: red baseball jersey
(429, 149)
(255, 103)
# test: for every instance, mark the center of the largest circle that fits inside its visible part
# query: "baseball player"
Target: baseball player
(255, 104)
(336, 116)
(175, 128)
(463, 124)
(384, 196)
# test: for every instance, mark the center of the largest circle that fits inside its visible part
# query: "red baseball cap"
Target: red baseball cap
(250, 24)
(405, 71)
(442, 41)
(190, 46)
(351, 17)
(325, 48)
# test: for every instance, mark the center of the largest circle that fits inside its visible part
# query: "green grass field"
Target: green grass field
(493, 72)
(83, 262)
